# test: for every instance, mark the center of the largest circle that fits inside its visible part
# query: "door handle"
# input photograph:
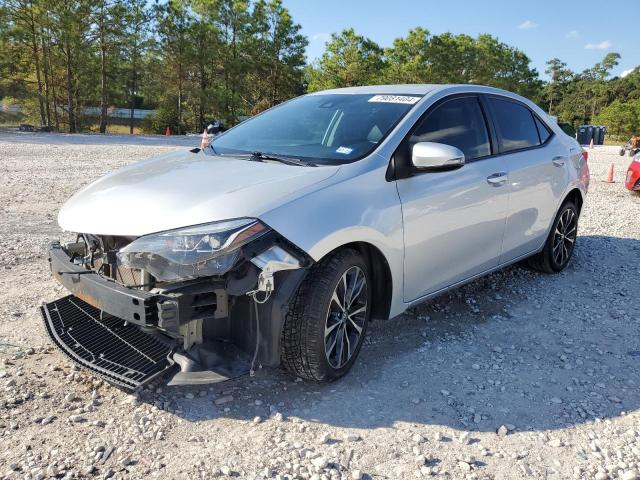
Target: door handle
(497, 179)
(558, 161)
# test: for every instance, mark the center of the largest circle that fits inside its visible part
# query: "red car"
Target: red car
(632, 181)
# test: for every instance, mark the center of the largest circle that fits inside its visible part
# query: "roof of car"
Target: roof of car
(424, 89)
(415, 89)
(431, 88)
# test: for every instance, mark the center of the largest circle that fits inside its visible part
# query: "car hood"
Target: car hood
(182, 189)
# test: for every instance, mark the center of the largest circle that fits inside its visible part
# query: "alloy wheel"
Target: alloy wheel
(346, 317)
(565, 236)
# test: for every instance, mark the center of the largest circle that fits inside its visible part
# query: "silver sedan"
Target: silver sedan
(278, 242)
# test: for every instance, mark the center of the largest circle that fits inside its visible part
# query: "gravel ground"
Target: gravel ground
(517, 375)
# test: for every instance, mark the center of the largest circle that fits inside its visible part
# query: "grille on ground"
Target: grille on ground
(121, 353)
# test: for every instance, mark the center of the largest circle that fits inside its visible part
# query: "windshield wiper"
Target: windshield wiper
(278, 158)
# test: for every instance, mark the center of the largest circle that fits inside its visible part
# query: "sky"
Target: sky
(580, 33)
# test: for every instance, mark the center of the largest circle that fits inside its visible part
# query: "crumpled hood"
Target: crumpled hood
(182, 189)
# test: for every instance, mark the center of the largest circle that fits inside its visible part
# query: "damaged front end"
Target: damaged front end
(210, 299)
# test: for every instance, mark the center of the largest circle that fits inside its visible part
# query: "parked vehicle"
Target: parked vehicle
(632, 180)
(632, 146)
(279, 242)
(213, 127)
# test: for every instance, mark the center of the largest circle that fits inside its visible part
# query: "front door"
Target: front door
(453, 221)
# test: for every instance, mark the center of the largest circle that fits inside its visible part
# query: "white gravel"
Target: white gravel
(518, 375)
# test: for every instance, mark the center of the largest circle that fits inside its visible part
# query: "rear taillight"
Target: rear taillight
(585, 155)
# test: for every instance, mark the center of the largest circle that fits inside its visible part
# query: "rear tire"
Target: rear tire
(321, 339)
(558, 249)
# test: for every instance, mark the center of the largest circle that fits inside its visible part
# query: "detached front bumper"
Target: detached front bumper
(130, 336)
(119, 352)
(98, 325)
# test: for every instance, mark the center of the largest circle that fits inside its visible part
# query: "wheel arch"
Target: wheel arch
(574, 195)
(380, 274)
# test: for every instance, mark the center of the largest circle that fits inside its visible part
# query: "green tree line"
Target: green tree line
(194, 60)
(592, 96)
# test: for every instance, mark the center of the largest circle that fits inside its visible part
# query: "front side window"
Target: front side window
(331, 128)
(516, 125)
(458, 122)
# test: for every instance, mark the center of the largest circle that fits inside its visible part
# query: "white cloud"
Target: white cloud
(599, 46)
(320, 37)
(527, 24)
(626, 72)
(573, 34)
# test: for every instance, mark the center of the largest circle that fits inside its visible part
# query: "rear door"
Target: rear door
(453, 220)
(537, 174)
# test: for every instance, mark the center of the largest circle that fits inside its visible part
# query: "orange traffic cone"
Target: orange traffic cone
(168, 132)
(609, 178)
(591, 143)
(205, 139)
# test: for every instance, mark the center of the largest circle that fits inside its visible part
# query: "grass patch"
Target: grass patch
(615, 141)
(11, 119)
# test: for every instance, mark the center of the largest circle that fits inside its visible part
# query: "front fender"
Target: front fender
(358, 208)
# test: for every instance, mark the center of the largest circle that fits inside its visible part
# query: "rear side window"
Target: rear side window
(543, 130)
(516, 124)
(458, 122)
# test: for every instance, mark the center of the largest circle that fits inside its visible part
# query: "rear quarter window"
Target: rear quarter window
(543, 130)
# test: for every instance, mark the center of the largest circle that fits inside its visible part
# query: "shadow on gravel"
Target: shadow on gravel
(517, 348)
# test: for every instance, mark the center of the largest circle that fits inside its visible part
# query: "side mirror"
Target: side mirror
(436, 156)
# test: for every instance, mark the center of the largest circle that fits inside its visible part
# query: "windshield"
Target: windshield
(336, 128)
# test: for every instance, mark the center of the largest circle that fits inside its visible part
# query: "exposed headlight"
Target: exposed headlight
(199, 251)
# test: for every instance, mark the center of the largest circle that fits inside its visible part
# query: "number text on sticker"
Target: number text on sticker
(394, 99)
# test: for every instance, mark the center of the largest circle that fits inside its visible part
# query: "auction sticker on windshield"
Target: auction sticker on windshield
(344, 150)
(394, 99)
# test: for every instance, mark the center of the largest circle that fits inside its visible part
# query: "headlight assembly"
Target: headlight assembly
(190, 252)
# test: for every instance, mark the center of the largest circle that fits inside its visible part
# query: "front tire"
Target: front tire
(558, 248)
(327, 318)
